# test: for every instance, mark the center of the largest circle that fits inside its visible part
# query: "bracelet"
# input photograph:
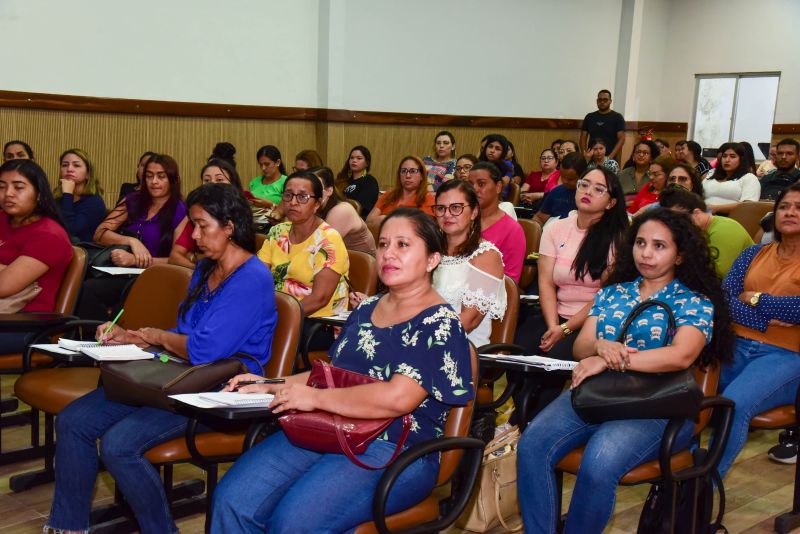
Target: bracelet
(565, 329)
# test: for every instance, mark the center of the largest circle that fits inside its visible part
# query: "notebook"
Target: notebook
(119, 270)
(75, 344)
(226, 399)
(548, 364)
(116, 353)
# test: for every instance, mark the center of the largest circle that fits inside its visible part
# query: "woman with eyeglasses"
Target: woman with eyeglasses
(470, 277)
(441, 166)
(648, 194)
(464, 164)
(306, 255)
(686, 176)
(410, 191)
(634, 176)
(575, 256)
(535, 186)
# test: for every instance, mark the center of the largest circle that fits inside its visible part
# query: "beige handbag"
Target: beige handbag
(17, 301)
(495, 498)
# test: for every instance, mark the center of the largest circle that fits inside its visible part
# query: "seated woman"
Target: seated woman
(17, 149)
(464, 164)
(306, 255)
(536, 184)
(686, 176)
(732, 182)
(307, 159)
(342, 216)
(494, 150)
(657, 181)
(79, 195)
(560, 201)
(184, 250)
(763, 289)
(470, 276)
(410, 191)
(270, 483)
(597, 152)
(355, 182)
(575, 256)
(268, 188)
(229, 308)
(147, 221)
(636, 175)
(129, 187)
(35, 246)
(665, 258)
(441, 167)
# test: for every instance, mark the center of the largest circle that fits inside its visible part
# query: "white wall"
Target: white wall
(233, 51)
(727, 36)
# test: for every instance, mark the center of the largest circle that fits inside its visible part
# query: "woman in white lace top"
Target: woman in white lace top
(470, 277)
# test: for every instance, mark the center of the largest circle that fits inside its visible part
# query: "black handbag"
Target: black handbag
(614, 395)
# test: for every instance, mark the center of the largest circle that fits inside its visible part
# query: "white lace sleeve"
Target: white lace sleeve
(483, 291)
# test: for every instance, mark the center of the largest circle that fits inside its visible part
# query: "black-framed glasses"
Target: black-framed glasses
(547, 158)
(586, 186)
(463, 168)
(302, 198)
(411, 171)
(455, 209)
(642, 152)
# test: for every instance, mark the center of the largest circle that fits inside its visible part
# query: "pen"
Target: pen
(349, 285)
(264, 381)
(108, 329)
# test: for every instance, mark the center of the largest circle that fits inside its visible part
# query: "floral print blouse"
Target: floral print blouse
(431, 349)
(294, 266)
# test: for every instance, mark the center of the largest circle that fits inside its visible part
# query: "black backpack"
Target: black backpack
(657, 511)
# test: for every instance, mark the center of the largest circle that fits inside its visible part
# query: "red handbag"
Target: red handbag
(327, 432)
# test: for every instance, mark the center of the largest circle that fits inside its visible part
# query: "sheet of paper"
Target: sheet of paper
(205, 400)
(117, 353)
(119, 270)
(54, 347)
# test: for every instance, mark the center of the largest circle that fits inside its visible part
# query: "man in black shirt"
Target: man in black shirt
(606, 124)
(786, 173)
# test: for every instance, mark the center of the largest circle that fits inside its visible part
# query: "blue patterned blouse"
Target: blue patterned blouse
(613, 304)
(431, 349)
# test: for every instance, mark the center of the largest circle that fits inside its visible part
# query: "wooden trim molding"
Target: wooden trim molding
(90, 104)
(786, 129)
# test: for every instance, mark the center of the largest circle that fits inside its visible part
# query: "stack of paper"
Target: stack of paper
(226, 399)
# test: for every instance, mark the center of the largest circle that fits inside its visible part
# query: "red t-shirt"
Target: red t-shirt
(534, 181)
(185, 239)
(44, 240)
(644, 197)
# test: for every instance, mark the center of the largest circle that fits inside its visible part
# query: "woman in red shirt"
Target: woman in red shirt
(648, 194)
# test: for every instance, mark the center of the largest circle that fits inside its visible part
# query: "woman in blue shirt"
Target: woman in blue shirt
(230, 308)
(666, 259)
(79, 195)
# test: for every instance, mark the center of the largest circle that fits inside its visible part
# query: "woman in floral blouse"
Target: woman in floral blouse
(665, 258)
(306, 255)
(411, 340)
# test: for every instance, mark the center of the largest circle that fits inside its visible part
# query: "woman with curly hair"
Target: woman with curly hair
(665, 258)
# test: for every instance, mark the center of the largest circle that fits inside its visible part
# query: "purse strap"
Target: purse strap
(638, 309)
(243, 355)
(337, 420)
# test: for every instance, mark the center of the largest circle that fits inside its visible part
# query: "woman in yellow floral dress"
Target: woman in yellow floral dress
(306, 255)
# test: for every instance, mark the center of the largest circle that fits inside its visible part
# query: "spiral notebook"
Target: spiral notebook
(116, 353)
(548, 364)
(238, 400)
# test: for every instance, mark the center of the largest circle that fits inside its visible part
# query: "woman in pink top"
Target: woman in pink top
(574, 257)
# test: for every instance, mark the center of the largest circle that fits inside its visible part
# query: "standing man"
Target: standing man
(786, 172)
(604, 124)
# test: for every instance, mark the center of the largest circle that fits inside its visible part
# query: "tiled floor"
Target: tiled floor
(757, 491)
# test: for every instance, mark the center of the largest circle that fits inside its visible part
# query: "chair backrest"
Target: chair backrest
(533, 234)
(260, 238)
(503, 329)
(68, 292)
(749, 215)
(513, 193)
(458, 422)
(155, 297)
(363, 272)
(708, 379)
(286, 337)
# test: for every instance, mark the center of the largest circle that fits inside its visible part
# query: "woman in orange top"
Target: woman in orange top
(410, 190)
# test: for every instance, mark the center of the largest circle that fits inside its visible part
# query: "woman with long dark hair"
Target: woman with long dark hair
(229, 309)
(129, 187)
(268, 188)
(342, 216)
(732, 182)
(666, 258)
(355, 182)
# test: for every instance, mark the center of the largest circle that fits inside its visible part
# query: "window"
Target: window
(735, 107)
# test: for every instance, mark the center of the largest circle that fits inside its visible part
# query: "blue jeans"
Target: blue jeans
(126, 433)
(761, 377)
(612, 449)
(278, 488)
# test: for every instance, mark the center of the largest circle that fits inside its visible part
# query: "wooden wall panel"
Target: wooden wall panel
(115, 141)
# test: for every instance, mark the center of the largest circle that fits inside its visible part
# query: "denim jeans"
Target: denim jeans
(761, 377)
(279, 488)
(612, 449)
(126, 433)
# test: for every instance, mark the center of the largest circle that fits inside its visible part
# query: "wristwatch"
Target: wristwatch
(565, 329)
(755, 299)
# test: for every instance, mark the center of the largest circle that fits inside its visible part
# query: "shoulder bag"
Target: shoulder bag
(614, 395)
(151, 382)
(327, 432)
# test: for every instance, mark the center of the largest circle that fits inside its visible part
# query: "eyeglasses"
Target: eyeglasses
(642, 152)
(463, 168)
(454, 209)
(587, 186)
(302, 198)
(411, 172)
(547, 158)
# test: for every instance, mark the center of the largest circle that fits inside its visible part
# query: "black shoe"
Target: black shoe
(784, 452)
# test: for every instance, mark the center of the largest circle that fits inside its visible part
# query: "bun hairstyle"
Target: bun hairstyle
(224, 151)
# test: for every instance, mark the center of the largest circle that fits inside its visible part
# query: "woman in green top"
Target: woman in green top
(268, 187)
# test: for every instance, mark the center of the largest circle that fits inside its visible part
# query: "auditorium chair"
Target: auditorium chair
(208, 449)
(153, 301)
(65, 302)
(670, 466)
(533, 235)
(784, 417)
(513, 193)
(749, 215)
